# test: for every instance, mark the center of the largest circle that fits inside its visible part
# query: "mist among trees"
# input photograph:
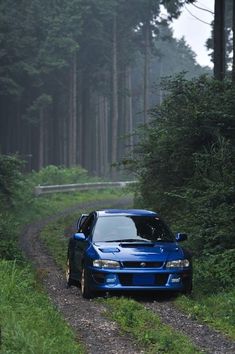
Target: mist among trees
(77, 77)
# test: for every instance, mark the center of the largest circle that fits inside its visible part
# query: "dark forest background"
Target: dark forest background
(78, 76)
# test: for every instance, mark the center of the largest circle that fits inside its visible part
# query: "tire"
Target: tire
(86, 292)
(69, 280)
(67, 274)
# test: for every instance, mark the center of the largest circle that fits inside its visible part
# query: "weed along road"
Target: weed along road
(89, 319)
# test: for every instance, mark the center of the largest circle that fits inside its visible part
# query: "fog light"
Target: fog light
(175, 280)
(111, 279)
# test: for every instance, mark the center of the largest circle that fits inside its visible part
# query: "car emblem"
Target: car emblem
(143, 264)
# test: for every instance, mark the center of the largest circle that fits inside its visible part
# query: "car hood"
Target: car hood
(139, 251)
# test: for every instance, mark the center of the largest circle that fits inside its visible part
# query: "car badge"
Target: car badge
(143, 264)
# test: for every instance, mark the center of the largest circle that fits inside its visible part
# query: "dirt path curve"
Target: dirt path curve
(98, 334)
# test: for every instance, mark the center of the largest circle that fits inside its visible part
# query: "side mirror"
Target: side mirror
(181, 237)
(79, 236)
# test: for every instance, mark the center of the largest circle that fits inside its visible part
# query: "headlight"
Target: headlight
(105, 263)
(180, 263)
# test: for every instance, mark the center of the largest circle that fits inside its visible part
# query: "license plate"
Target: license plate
(143, 279)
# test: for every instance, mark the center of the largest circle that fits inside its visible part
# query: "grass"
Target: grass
(29, 322)
(217, 310)
(146, 328)
(40, 207)
(55, 236)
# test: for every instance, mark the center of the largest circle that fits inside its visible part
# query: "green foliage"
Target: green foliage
(29, 322)
(52, 175)
(19, 206)
(146, 328)
(8, 234)
(186, 158)
(217, 310)
(214, 273)
(10, 179)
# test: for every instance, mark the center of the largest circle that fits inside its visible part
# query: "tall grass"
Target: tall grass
(29, 322)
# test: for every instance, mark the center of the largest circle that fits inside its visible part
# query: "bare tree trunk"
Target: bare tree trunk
(97, 137)
(129, 111)
(115, 94)
(105, 130)
(73, 114)
(80, 136)
(233, 70)
(41, 140)
(219, 40)
(146, 70)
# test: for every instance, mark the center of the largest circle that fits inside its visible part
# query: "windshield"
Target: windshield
(131, 229)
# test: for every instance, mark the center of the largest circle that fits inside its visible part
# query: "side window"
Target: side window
(87, 225)
(81, 221)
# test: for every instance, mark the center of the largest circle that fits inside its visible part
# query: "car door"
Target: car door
(82, 245)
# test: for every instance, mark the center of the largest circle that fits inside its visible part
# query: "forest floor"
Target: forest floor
(87, 317)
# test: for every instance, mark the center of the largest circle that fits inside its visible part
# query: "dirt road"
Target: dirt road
(98, 334)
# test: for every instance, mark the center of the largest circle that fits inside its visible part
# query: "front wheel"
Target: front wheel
(87, 293)
(69, 280)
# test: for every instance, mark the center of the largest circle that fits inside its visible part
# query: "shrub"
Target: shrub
(52, 175)
(214, 273)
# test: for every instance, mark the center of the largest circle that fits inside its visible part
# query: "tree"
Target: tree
(74, 76)
(219, 40)
(233, 26)
(185, 159)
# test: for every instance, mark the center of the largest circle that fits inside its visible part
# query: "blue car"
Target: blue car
(127, 250)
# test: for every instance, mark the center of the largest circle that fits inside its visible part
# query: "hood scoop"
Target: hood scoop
(109, 250)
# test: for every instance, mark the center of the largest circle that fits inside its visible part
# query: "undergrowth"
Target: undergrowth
(146, 328)
(29, 322)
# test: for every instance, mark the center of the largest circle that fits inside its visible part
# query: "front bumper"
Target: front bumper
(138, 279)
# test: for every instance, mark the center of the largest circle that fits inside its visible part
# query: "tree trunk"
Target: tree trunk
(219, 40)
(41, 140)
(115, 94)
(146, 70)
(73, 113)
(233, 70)
(129, 111)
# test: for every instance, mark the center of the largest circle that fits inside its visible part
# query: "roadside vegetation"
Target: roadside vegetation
(185, 165)
(147, 329)
(29, 323)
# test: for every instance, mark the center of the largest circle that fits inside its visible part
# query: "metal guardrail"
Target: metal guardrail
(79, 186)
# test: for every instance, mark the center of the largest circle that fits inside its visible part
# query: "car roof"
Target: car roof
(126, 212)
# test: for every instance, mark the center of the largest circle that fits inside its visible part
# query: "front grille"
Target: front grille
(142, 264)
(127, 279)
